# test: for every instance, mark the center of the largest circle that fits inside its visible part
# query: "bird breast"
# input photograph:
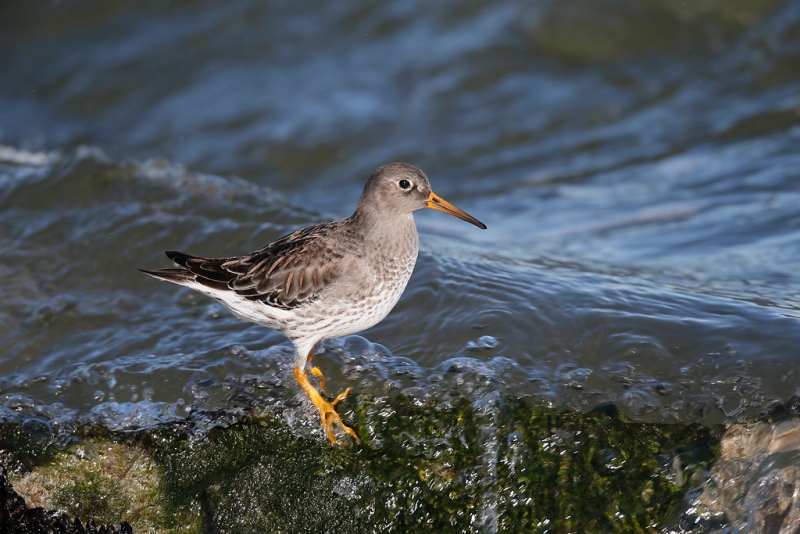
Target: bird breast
(390, 266)
(371, 288)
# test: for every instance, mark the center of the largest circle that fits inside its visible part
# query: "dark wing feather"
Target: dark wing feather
(285, 274)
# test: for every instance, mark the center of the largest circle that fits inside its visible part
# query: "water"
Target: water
(637, 166)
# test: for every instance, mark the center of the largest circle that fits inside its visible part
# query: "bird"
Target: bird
(327, 280)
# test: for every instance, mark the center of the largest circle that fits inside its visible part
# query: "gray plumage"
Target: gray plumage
(329, 279)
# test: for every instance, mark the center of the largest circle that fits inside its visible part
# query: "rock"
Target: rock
(754, 486)
(17, 518)
(421, 466)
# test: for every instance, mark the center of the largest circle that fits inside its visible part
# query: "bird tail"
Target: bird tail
(176, 276)
(180, 258)
(206, 272)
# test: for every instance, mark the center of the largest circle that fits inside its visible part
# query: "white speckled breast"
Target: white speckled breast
(363, 300)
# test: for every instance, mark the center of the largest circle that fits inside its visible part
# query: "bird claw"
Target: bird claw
(327, 411)
(328, 416)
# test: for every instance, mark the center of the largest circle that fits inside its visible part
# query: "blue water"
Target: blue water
(637, 166)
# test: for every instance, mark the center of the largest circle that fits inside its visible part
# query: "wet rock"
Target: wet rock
(23, 446)
(17, 518)
(456, 466)
(754, 486)
(106, 480)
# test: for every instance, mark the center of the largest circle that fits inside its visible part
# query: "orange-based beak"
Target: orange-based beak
(438, 203)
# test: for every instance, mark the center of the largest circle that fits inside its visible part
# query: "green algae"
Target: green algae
(420, 467)
(23, 447)
(442, 468)
(551, 472)
(109, 480)
(424, 466)
(258, 477)
(91, 494)
(596, 472)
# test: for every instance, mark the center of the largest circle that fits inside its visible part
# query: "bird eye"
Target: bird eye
(404, 184)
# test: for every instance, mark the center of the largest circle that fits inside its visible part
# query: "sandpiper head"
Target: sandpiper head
(403, 188)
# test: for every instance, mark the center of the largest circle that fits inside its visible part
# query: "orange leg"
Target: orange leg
(327, 413)
(316, 371)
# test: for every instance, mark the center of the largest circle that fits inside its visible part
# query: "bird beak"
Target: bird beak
(438, 203)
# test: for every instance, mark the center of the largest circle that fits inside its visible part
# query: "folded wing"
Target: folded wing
(285, 274)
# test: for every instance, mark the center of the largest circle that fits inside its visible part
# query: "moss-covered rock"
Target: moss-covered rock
(257, 477)
(24, 446)
(17, 518)
(594, 473)
(108, 480)
(457, 466)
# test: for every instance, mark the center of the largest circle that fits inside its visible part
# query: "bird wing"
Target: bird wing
(284, 274)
